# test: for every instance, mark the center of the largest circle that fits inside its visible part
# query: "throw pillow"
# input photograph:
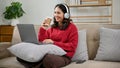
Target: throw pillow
(32, 52)
(81, 50)
(53, 49)
(109, 47)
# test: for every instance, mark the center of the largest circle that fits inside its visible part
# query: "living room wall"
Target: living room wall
(38, 10)
(116, 12)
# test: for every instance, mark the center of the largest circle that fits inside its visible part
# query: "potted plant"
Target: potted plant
(13, 12)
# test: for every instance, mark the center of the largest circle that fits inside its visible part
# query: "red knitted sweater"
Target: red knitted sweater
(66, 39)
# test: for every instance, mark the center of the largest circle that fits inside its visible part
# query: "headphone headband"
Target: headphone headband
(67, 14)
(66, 8)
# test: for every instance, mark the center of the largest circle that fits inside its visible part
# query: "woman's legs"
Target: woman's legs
(49, 61)
(54, 61)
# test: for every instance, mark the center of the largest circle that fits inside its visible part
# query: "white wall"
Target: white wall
(3, 4)
(116, 11)
(37, 10)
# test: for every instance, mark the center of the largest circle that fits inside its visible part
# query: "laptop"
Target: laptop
(27, 33)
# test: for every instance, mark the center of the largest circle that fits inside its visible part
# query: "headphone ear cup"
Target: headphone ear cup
(66, 15)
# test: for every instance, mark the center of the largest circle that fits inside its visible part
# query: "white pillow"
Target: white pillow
(53, 49)
(81, 50)
(33, 52)
(109, 47)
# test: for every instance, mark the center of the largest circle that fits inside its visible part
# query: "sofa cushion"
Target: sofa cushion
(81, 50)
(33, 52)
(109, 48)
(10, 62)
(94, 64)
(3, 50)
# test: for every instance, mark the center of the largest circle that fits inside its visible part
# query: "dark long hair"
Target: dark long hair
(65, 21)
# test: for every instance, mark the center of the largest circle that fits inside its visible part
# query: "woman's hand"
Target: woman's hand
(46, 23)
(46, 41)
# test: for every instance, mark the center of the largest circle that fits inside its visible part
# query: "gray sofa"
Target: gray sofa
(7, 60)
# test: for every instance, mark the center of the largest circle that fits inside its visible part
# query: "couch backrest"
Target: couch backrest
(92, 35)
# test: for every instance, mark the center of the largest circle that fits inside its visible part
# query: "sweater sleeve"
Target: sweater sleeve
(72, 41)
(43, 34)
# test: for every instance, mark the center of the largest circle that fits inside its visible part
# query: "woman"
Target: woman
(62, 33)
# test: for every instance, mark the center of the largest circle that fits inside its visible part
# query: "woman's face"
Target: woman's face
(58, 14)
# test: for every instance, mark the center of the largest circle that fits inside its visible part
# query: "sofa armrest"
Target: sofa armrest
(3, 50)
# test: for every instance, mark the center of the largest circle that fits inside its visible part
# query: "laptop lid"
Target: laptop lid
(27, 33)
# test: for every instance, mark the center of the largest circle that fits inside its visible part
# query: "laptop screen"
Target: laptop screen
(27, 33)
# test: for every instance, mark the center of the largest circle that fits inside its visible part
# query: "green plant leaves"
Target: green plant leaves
(14, 11)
